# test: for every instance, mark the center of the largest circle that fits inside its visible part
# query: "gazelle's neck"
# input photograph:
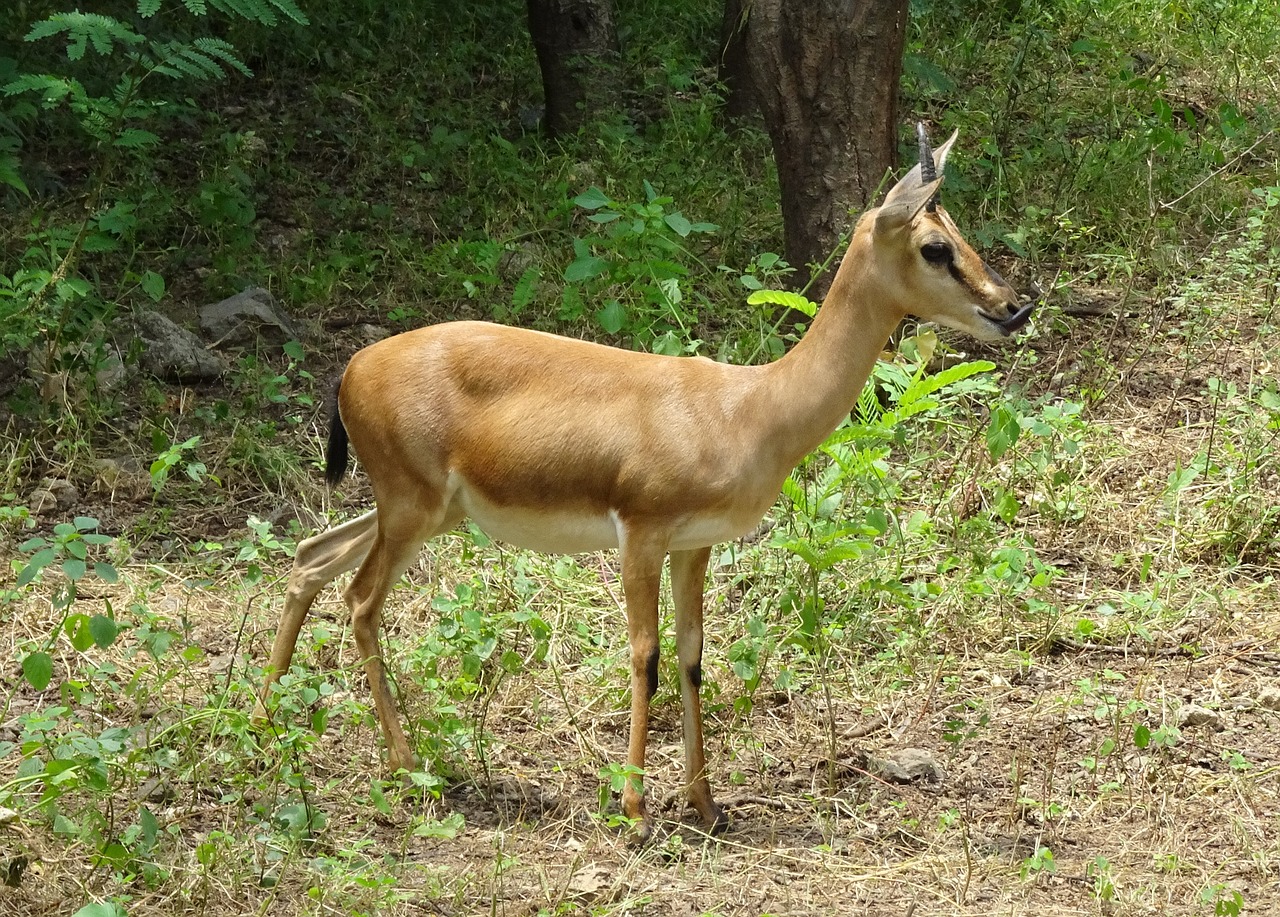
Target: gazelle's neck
(817, 383)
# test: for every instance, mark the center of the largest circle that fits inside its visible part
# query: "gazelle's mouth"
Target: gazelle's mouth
(1014, 322)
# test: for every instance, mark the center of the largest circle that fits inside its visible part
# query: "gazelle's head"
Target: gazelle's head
(936, 275)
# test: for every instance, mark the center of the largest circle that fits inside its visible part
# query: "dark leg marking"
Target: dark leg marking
(695, 676)
(651, 673)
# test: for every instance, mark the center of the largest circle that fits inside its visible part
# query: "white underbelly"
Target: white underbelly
(551, 531)
(561, 530)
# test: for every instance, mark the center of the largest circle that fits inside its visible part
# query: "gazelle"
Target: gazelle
(566, 446)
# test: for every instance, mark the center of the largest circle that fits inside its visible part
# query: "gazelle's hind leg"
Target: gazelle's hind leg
(688, 581)
(403, 526)
(316, 563)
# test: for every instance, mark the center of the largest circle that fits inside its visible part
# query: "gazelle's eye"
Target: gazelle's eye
(936, 252)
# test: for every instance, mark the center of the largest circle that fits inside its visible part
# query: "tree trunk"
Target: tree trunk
(577, 45)
(825, 74)
(739, 101)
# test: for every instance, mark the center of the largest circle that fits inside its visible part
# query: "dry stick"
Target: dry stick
(968, 847)
(1168, 205)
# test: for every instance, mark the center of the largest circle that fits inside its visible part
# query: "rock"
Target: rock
(1192, 715)
(52, 495)
(368, 334)
(174, 353)
(248, 318)
(125, 475)
(1269, 697)
(910, 765)
(110, 376)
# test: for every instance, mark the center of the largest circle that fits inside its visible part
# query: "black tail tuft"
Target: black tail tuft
(335, 457)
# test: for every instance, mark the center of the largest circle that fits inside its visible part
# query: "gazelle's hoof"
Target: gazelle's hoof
(640, 832)
(718, 823)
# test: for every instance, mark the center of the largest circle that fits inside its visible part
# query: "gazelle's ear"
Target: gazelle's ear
(904, 201)
(940, 154)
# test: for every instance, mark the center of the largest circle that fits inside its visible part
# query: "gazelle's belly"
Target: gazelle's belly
(577, 530)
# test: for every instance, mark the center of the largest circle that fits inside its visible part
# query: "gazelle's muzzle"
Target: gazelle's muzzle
(1015, 321)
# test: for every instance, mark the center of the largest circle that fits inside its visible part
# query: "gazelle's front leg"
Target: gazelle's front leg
(688, 579)
(642, 555)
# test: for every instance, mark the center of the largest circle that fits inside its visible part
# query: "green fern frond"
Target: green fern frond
(97, 126)
(927, 385)
(196, 7)
(148, 8)
(223, 51)
(252, 10)
(196, 65)
(292, 10)
(53, 89)
(9, 173)
(84, 29)
(205, 59)
(135, 138)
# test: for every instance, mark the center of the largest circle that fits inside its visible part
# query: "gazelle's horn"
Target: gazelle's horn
(927, 172)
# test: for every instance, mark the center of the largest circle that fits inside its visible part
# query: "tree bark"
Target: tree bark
(825, 74)
(578, 53)
(733, 73)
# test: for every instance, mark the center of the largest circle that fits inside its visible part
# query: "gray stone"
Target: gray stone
(174, 353)
(910, 765)
(1269, 697)
(248, 318)
(1192, 715)
(52, 495)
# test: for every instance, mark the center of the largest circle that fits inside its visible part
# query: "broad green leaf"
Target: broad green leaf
(679, 225)
(78, 632)
(613, 317)
(37, 669)
(584, 268)
(103, 630)
(1002, 431)
(447, 828)
(153, 285)
(100, 909)
(379, 799)
(150, 826)
(74, 568)
(38, 562)
(591, 199)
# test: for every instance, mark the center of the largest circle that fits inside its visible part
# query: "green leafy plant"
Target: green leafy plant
(70, 551)
(173, 455)
(631, 265)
